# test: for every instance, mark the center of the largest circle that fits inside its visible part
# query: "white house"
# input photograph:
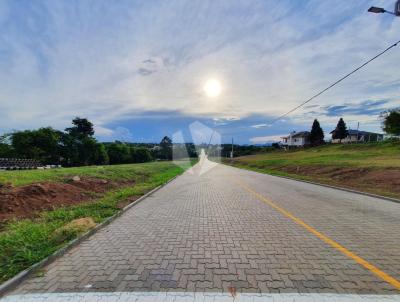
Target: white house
(355, 136)
(296, 139)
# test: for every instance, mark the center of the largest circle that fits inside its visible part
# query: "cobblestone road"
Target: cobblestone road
(207, 233)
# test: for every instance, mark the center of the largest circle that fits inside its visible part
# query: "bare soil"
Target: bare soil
(27, 201)
(123, 203)
(380, 181)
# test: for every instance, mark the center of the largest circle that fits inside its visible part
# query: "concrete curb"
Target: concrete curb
(16, 280)
(324, 185)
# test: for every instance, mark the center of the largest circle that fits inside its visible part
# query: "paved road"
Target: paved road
(228, 227)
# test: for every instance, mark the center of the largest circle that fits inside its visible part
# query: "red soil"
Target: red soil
(371, 180)
(27, 201)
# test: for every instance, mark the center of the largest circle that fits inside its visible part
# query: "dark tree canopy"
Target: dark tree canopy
(166, 148)
(341, 130)
(123, 153)
(100, 156)
(6, 150)
(316, 134)
(77, 146)
(140, 155)
(80, 147)
(118, 153)
(166, 142)
(42, 144)
(391, 121)
(82, 127)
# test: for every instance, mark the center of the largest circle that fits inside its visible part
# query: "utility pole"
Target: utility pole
(232, 149)
(358, 127)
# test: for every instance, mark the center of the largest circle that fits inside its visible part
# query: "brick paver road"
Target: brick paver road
(208, 233)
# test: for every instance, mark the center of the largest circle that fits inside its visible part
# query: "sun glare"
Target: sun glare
(212, 88)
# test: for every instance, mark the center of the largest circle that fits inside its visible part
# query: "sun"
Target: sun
(212, 88)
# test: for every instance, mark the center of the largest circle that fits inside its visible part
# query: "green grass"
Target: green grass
(381, 155)
(28, 241)
(113, 172)
(352, 166)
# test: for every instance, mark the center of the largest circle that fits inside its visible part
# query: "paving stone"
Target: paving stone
(206, 233)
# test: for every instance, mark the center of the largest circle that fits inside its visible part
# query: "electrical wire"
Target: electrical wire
(335, 83)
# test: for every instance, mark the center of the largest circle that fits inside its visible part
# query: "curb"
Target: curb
(343, 189)
(17, 279)
(325, 185)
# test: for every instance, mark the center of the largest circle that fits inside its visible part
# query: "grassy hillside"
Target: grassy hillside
(113, 172)
(373, 168)
(24, 242)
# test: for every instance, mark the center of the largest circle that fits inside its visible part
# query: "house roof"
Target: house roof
(298, 134)
(301, 134)
(359, 132)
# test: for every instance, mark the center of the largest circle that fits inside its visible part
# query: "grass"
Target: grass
(28, 241)
(351, 165)
(113, 172)
(381, 155)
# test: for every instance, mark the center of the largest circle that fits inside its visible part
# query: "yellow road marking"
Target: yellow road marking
(389, 279)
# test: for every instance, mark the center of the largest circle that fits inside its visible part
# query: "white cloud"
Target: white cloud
(119, 133)
(267, 139)
(103, 132)
(115, 61)
(259, 126)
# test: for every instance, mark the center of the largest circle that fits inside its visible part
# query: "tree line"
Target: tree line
(77, 146)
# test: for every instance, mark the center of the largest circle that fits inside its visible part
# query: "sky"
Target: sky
(137, 69)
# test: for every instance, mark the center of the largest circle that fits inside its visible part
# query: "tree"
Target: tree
(166, 148)
(79, 143)
(24, 145)
(140, 155)
(118, 153)
(191, 149)
(82, 151)
(6, 150)
(69, 150)
(48, 140)
(391, 121)
(316, 134)
(75, 147)
(276, 146)
(341, 130)
(82, 127)
(97, 152)
(91, 152)
(100, 156)
(42, 144)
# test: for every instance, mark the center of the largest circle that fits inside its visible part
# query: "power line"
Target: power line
(334, 84)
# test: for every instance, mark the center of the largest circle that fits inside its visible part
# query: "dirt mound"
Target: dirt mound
(386, 180)
(27, 201)
(337, 173)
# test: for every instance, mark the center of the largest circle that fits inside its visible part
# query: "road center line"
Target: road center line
(382, 275)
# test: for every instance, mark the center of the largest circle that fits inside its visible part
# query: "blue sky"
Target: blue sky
(137, 68)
